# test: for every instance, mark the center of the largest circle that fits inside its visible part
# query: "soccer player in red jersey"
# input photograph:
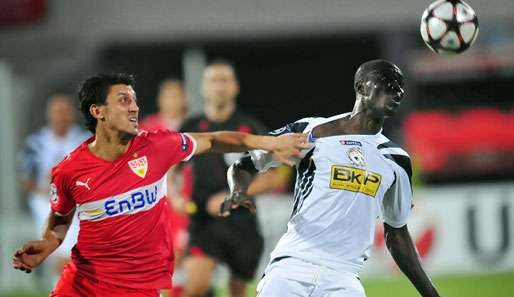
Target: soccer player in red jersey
(116, 182)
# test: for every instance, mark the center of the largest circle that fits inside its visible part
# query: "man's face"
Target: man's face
(60, 114)
(219, 84)
(121, 111)
(384, 97)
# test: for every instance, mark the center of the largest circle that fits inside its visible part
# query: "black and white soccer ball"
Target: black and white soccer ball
(449, 26)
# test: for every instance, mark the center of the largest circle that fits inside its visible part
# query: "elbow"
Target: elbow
(245, 164)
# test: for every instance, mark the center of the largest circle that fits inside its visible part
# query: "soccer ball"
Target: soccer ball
(449, 26)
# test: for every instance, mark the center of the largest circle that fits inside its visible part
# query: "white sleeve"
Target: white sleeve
(397, 202)
(263, 160)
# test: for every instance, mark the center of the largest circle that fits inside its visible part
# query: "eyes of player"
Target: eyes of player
(394, 88)
(125, 99)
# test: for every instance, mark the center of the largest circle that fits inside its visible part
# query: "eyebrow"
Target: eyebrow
(125, 94)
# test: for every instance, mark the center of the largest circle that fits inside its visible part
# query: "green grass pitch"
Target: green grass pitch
(488, 285)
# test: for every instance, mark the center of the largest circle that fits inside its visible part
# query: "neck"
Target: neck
(362, 121)
(109, 145)
(219, 113)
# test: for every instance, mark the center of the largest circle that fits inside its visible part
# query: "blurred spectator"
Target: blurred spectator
(172, 104)
(234, 241)
(43, 150)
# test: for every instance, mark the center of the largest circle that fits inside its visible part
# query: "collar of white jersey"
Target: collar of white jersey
(312, 139)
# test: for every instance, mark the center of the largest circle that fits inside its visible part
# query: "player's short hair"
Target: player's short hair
(94, 90)
(378, 70)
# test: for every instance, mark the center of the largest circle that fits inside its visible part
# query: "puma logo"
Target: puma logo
(83, 184)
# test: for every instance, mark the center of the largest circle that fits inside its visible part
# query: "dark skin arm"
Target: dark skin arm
(34, 252)
(404, 253)
(239, 177)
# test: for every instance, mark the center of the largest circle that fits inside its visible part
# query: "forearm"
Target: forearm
(404, 253)
(239, 141)
(56, 229)
(269, 181)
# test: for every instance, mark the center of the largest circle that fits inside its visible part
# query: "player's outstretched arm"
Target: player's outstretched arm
(404, 253)
(33, 253)
(283, 147)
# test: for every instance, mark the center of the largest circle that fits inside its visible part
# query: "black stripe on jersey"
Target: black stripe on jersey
(402, 161)
(388, 144)
(309, 186)
(301, 179)
(296, 127)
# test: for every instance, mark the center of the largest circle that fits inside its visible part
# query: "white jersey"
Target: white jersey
(44, 149)
(344, 183)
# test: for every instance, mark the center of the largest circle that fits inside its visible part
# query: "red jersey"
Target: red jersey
(180, 221)
(124, 236)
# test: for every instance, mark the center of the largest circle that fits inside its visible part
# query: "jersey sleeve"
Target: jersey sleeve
(397, 202)
(61, 201)
(178, 146)
(263, 160)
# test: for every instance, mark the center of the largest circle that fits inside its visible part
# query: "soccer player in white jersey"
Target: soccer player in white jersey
(350, 176)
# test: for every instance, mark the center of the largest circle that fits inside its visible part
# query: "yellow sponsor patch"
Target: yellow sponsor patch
(355, 180)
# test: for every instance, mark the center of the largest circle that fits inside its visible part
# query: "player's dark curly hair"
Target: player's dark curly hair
(94, 90)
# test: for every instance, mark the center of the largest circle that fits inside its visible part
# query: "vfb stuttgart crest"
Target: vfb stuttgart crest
(139, 166)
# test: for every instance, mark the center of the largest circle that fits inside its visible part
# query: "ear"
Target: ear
(96, 111)
(360, 88)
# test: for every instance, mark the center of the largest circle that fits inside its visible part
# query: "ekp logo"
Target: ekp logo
(355, 180)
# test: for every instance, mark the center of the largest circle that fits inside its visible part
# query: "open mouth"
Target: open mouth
(133, 119)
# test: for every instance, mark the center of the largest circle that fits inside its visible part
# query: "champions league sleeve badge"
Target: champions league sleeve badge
(356, 156)
(53, 193)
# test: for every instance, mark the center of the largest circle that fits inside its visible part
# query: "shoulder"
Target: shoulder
(299, 126)
(396, 154)
(162, 137)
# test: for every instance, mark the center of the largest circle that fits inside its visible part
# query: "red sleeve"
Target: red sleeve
(178, 146)
(60, 199)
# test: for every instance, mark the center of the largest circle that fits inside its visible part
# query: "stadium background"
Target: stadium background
(294, 58)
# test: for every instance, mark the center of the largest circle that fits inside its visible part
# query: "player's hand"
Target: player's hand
(234, 200)
(290, 146)
(32, 254)
(214, 203)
